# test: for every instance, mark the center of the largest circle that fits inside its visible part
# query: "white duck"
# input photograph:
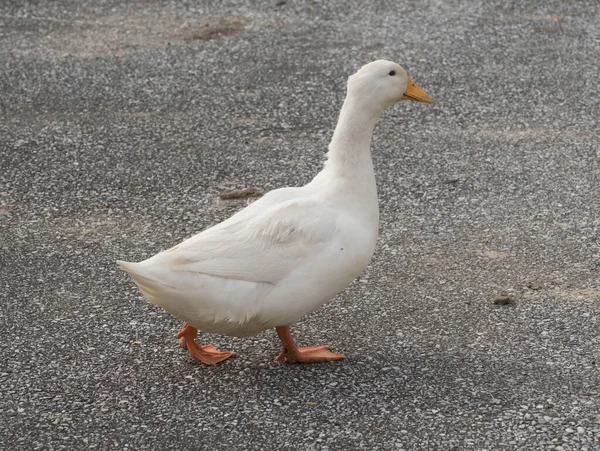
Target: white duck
(289, 252)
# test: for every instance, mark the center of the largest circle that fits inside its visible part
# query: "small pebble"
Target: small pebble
(503, 299)
(241, 193)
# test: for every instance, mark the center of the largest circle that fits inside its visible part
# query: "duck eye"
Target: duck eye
(392, 73)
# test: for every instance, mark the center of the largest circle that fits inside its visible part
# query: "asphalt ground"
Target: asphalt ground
(122, 122)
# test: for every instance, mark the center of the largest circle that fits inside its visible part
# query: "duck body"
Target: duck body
(288, 253)
(270, 264)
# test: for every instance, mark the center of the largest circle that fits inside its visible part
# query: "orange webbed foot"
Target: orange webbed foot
(207, 354)
(312, 354)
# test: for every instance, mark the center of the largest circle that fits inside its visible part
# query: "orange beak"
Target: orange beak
(413, 92)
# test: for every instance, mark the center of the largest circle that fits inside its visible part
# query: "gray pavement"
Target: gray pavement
(120, 124)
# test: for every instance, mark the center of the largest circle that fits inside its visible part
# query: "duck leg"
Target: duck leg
(206, 354)
(293, 354)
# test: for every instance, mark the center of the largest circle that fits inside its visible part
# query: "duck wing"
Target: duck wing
(261, 245)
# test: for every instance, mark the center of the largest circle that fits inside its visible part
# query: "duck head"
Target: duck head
(382, 83)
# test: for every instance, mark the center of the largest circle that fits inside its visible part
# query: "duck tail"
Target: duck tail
(149, 287)
(128, 267)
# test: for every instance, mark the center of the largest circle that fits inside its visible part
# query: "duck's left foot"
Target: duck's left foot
(206, 354)
(293, 354)
(311, 354)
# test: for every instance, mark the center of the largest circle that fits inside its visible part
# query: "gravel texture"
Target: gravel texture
(122, 122)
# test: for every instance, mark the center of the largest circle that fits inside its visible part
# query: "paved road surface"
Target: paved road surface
(120, 124)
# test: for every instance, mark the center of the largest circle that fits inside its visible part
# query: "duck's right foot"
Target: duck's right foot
(206, 354)
(293, 354)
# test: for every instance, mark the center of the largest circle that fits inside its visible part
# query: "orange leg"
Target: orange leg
(206, 354)
(293, 354)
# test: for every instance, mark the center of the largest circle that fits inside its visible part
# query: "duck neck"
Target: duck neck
(350, 148)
